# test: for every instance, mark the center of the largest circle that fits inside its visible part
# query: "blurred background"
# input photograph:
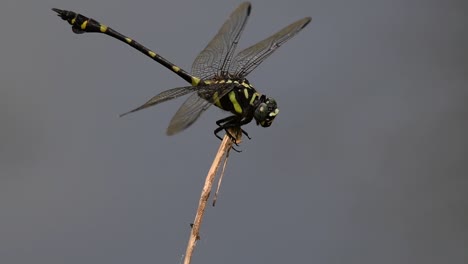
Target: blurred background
(366, 162)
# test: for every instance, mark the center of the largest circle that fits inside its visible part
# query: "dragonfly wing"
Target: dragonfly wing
(164, 96)
(196, 104)
(217, 55)
(187, 114)
(247, 60)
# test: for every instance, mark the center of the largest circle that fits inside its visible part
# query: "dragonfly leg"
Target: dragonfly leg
(245, 133)
(225, 124)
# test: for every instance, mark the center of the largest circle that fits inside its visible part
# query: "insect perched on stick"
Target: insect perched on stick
(217, 77)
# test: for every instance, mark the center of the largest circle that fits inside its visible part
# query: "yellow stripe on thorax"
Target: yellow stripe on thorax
(252, 99)
(216, 100)
(246, 85)
(246, 93)
(235, 104)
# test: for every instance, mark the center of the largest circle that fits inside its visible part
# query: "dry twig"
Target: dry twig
(223, 151)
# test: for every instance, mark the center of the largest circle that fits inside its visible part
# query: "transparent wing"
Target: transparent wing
(248, 59)
(217, 55)
(164, 96)
(187, 114)
(195, 105)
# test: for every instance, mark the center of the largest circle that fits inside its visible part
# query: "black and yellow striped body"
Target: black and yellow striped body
(81, 24)
(217, 77)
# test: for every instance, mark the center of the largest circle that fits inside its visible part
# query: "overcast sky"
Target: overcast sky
(367, 161)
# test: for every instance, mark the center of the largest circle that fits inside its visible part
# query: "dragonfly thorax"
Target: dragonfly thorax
(242, 100)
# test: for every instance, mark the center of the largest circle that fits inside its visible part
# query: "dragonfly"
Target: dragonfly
(217, 76)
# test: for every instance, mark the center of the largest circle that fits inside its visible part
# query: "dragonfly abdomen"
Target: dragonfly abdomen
(82, 24)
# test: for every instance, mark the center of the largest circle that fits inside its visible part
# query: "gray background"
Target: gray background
(366, 162)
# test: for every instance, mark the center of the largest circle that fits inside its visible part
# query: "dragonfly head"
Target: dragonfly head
(266, 111)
